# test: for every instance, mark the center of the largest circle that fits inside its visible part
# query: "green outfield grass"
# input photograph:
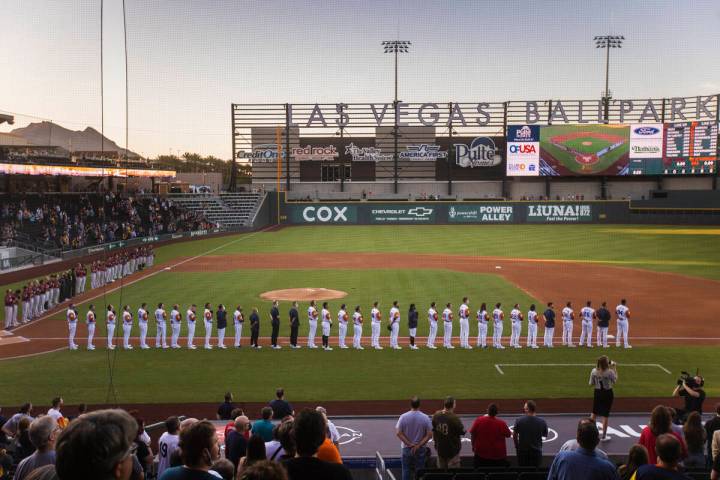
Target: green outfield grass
(568, 159)
(596, 144)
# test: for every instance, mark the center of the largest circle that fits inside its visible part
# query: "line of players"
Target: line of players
(484, 318)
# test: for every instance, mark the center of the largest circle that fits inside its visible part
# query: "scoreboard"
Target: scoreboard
(690, 148)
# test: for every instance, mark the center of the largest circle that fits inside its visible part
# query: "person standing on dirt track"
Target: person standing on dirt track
(482, 319)
(275, 324)
(90, 320)
(326, 323)
(143, 325)
(432, 320)
(516, 318)
(221, 325)
(603, 316)
(110, 323)
(375, 317)
(532, 327)
(71, 316)
(568, 315)
(623, 324)
(254, 328)
(175, 319)
(191, 317)
(447, 326)
(549, 315)
(464, 315)
(238, 320)
(498, 317)
(394, 326)
(587, 314)
(294, 325)
(127, 327)
(208, 320)
(357, 329)
(342, 326)
(412, 325)
(312, 321)
(161, 326)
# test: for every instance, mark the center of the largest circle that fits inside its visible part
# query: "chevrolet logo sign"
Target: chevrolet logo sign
(420, 211)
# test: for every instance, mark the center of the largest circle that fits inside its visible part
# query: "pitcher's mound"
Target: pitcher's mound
(303, 294)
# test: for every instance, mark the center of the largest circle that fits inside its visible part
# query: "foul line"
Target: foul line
(127, 284)
(500, 370)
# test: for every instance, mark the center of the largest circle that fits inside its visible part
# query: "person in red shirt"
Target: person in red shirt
(660, 424)
(488, 435)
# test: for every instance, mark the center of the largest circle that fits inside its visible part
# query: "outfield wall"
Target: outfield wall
(491, 212)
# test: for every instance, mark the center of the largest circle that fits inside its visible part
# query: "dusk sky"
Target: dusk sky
(189, 59)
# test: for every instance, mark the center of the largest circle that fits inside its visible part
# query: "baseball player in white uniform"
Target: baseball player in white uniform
(208, 320)
(482, 319)
(238, 321)
(498, 317)
(432, 320)
(342, 326)
(191, 317)
(127, 327)
(464, 314)
(71, 317)
(447, 316)
(110, 321)
(516, 318)
(326, 323)
(357, 329)
(312, 324)
(623, 317)
(143, 325)
(532, 327)
(567, 318)
(375, 320)
(587, 315)
(394, 326)
(175, 319)
(161, 326)
(90, 322)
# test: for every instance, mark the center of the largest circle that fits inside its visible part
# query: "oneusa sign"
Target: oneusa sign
(324, 214)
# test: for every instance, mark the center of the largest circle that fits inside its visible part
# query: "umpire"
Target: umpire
(254, 328)
(275, 323)
(294, 325)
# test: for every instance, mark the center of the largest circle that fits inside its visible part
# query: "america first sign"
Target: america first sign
(437, 114)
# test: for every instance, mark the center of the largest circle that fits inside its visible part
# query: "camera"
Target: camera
(688, 379)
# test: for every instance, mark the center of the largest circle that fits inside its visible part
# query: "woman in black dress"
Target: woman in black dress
(603, 377)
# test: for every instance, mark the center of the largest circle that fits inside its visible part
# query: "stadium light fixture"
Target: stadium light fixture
(396, 47)
(607, 42)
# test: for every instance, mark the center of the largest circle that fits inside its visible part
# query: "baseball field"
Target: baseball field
(581, 149)
(670, 277)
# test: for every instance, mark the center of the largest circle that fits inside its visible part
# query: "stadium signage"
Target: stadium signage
(366, 154)
(315, 153)
(559, 213)
(423, 153)
(480, 153)
(325, 214)
(431, 114)
(480, 214)
(403, 215)
(198, 233)
(72, 171)
(263, 153)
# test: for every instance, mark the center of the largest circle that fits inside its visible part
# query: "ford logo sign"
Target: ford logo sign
(647, 131)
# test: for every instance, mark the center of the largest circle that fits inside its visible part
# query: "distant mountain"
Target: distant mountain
(51, 134)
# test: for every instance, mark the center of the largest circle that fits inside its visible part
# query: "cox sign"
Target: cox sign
(324, 214)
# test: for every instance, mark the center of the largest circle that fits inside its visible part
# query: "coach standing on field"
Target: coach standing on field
(275, 323)
(549, 315)
(294, 325)
(254, 328)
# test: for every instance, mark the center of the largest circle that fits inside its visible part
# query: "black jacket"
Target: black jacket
(412, 319)
(222, 319)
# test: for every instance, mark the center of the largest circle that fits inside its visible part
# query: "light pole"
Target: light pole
(396, 47)
(607, 42)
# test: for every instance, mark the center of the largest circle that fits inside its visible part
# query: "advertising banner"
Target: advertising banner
(480, 213)
(402, 214)
(559, 213)
(523, 151)
(646, 140)
(471, 158)
(323, 214)
(71, 171)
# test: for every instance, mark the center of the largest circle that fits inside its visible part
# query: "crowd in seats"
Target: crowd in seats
(75, 221)
(113, 444)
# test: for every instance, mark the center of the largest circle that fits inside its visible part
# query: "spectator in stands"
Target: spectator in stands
(264, 470)
(488, 434)
(414, 429)
(57, 404)
(46, 472)
(81, 410)
(237, 412)
(235, 441)
(660, 421)
(309, 431)
(280, 407)
(43, 431)
(583, 463)
(447, 434)
(328, 451)
(22, 446)
(668, 452)
(11, 426)
(98, 445)
(528, 433)
(264, 426)
(282, 446)
(199, 449)
(224, 468)
(176, 456)
(6, 464)
(255, 453)
(332, 429)
(637, 457)
(712, 426)
(225, 409)
(143, 452)
(694, 436)
(572, 444)
(167, 444)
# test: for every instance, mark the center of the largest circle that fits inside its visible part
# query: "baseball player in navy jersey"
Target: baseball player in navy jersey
(432, 320)
(464, 314)
(623, 324)
(587, 314)
(312, 324)
(191, 317)
(238, 321)
(110, 322)
(143, 325)
(90, 321)
(127, 319)
(447, 317)
(326, 323)
(175, 319)
(482, 319)
(603, 316)
(221, 317)
(568, 316)
(498, 317)
(375, 321)
(357, 329)
(208, 320)
(516, 318)
(71, 317)
(161, 326)
(532, 327)
(394, 326)
(342, 326)
(549, 316)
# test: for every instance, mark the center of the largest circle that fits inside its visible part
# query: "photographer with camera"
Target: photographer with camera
(603, 377)
(691, 388)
